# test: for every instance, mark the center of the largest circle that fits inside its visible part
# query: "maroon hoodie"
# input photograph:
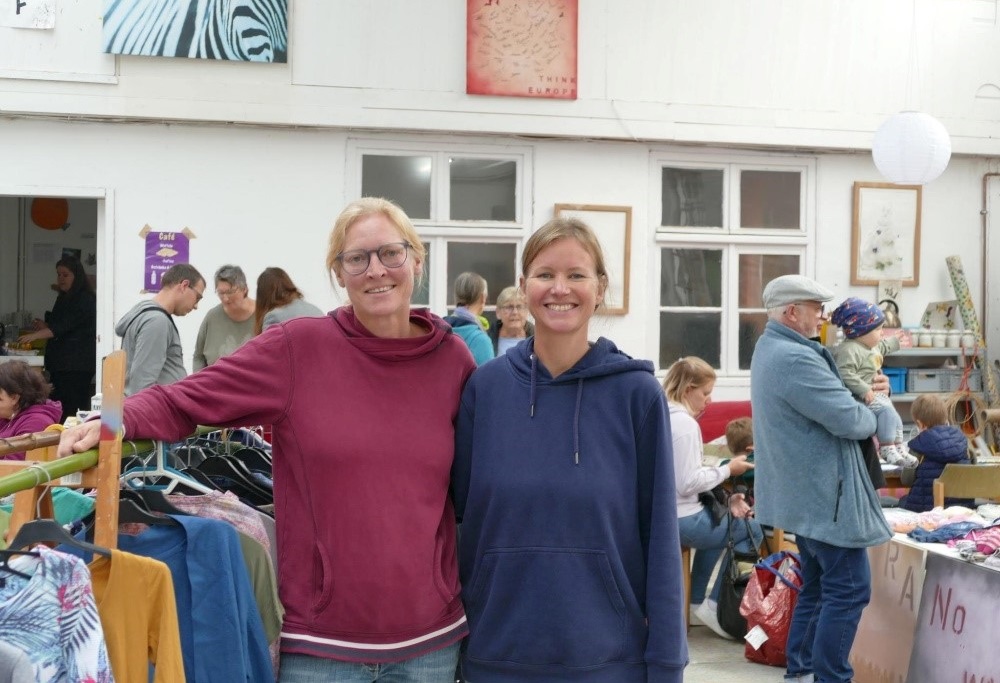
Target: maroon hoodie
(32, 419)
(363, 446)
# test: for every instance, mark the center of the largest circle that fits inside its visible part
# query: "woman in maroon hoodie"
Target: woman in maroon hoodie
(363, 403)
(24, 403)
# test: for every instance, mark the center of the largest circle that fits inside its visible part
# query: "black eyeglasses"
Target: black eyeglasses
(391, 255)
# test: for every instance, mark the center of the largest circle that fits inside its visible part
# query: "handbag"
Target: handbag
(717, 502)
(769, 602)
(734, 584)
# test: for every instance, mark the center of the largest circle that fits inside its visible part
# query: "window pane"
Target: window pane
(405, 180)
(422, 290)
(692, 197)
(495, 262)
(751, 327)
(690, 277)
(483, 189)
(756, 270)
(770, 199)
(690, 334)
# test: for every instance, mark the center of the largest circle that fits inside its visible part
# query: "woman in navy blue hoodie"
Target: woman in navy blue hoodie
(569, 554)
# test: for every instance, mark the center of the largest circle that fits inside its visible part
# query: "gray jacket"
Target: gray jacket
(810, 475)
(152, 347)
(299, 308)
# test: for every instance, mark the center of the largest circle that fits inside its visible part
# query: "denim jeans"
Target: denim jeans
(836, 586)
(709, 542)
(434, 667)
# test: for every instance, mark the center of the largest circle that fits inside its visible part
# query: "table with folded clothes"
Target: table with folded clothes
(935, 594)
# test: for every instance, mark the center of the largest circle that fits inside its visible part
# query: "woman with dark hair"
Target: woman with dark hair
(71, 328)
(24, 403)
(278, 300)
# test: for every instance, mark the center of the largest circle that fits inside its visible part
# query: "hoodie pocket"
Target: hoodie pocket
(548, 606)
(324, 572)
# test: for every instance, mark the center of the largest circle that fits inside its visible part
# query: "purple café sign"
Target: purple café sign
(163, 249)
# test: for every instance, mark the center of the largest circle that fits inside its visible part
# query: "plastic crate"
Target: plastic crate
(941, 379)
(897, 379)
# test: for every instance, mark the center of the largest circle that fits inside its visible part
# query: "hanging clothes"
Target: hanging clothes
(222, 636)
(135, 596)
(53, 619)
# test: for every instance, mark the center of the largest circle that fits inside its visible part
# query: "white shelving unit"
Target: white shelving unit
(922, 358)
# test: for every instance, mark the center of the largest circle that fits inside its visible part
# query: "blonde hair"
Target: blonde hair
(362, 208)
(509, 295)
(686, 373)
(930, 410)
(739, 435)
(566, 228)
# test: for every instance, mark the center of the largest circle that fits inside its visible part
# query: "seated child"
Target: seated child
(739, 441)
(859, 359)
(939, 443)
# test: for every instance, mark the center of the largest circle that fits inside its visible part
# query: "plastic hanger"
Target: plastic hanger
(51, 531)
(254, 459)
(155, 501)
(130, 512)
(7, 555)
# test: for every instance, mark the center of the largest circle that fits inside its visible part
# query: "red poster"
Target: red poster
(521, 48)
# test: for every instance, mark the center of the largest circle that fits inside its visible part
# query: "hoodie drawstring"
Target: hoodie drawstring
(576, 412)
(576, 422)
(534, 370)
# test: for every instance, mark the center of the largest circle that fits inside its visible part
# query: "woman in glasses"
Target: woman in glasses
(363, 403)
(512, 320)
(227, 326)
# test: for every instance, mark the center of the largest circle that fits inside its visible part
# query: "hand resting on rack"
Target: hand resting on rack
(81, 438)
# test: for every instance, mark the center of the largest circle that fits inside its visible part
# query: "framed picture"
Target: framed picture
(613, 226)
(885, 240)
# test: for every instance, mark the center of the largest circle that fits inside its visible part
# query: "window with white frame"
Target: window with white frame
(727, 225)
(468, 202)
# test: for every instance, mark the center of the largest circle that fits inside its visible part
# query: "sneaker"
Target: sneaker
(707, 612)
(693, 617)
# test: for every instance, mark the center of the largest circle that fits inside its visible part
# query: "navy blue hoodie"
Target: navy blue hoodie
(569, 554)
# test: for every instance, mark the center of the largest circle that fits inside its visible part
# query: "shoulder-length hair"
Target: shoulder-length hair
(81, 283)
(20, 379)
(274, 289)
(686, 373)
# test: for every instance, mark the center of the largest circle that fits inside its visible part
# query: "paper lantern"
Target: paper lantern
(50, 213)
(911, 148)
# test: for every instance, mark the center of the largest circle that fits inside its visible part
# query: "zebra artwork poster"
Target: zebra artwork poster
(239, 30)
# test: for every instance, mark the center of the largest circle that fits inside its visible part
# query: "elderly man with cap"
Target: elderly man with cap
(811, 477)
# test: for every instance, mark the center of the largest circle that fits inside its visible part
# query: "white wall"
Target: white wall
(775, 75)
(268, 197)
(823, 73)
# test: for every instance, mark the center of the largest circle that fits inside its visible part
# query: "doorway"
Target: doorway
(36, 230)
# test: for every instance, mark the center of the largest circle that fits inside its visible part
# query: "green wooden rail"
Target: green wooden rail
(41, 472)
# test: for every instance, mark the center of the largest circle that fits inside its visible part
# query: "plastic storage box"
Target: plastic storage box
(940, 379)
(897, 379)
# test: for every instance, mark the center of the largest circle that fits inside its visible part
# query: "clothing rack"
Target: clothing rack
(31, 480)
(160, 470)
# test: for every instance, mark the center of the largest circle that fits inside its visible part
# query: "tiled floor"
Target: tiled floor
(714, 660)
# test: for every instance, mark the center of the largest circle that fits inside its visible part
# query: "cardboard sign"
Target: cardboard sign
(882, 648)
(956, 632)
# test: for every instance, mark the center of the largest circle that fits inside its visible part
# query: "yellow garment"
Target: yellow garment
(135, 595)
